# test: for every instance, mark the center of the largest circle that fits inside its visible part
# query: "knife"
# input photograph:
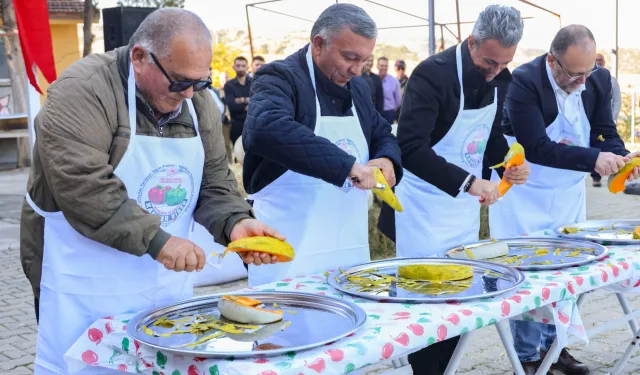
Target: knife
(378, 186)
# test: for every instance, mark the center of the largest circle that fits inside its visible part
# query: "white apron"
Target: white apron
(326, 225)
(433, 221)
(83, 280)
(551, 196)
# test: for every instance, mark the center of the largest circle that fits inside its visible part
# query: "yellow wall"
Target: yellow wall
(65, 40)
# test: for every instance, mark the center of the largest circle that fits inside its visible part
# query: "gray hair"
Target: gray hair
(500, 22)
(158, 29)
(339, 16)
(570, 36)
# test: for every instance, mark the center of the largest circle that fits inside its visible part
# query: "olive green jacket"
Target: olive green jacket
(82, 133)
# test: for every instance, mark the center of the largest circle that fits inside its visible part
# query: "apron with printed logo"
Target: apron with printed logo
(433, 221)
(551, 196)
(326, 225)
(83, 280)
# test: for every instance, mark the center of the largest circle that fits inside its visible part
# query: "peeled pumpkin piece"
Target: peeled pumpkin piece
(387, 195)
(616, 181)
(263, 244)
(245, 310)
(436, 272)
(514, 157)
(489, 250)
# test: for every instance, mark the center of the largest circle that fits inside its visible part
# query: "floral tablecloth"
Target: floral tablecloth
(391, 331)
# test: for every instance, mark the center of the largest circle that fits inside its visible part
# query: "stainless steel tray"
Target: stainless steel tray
(606, 232)
(559, 259)
(315, 320)
(489, 279)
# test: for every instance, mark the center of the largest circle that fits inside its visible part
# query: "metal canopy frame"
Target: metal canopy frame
(431, 25)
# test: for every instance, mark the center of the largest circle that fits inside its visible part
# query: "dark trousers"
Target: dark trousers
(390, 115)
(236, 131)
(433, 360)
(596, 176)
(36, 305)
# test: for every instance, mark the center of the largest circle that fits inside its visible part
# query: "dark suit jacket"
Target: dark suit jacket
(531, 106)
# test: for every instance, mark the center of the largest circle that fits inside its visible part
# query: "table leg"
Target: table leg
(633, 347)
(549, 358)
(507, 341)
(624, 303)
(461, 348)
(404, 361)
(396, 363)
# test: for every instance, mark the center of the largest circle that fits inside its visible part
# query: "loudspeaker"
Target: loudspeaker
(120, 23)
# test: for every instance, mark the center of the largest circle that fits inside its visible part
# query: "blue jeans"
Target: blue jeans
(527, 336)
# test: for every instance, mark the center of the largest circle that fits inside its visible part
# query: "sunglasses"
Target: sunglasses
(179, 86)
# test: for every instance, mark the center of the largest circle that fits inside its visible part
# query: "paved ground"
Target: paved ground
(486, 356)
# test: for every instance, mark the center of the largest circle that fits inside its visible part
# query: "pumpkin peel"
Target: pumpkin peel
(616, 181)
(263, 244)
(514, 157)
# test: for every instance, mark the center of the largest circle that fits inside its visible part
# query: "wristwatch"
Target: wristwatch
(467, 186)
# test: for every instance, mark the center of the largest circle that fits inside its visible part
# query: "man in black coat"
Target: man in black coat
(558, 107)
(236, 96)
(312, 137)
(449, 123)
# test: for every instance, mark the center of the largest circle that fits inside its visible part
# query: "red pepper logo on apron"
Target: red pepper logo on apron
(569, 139)
(350, 148)
(166, 192)
(474, 145)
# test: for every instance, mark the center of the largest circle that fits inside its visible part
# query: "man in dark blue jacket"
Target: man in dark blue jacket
(312, 137)
(558, 107)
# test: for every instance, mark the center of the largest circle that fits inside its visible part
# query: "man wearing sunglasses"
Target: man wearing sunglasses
(128, 154)
(558, 107)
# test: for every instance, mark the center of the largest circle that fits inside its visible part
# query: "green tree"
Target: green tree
(222, 61)
(152, 3)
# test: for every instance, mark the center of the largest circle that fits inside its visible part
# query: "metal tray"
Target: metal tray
(528, 245)
(489, 280)
(605, 232)
(315, 320)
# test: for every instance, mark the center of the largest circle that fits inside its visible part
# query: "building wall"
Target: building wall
(64, 37)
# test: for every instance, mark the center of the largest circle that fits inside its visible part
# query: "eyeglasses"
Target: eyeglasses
(578, 76)
(179, 86)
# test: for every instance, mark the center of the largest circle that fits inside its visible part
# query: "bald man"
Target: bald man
(129, 152)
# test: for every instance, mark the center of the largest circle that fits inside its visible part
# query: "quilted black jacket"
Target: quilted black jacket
(278, 132)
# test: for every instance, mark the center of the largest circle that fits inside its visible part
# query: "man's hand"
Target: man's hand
(486, 190)
(609, 163)
(365, 176)
(253, 228)
(636, 171)
(517, 175)
(386, 166)
(181, 255)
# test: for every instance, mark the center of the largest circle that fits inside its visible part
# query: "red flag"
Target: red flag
(32, 17)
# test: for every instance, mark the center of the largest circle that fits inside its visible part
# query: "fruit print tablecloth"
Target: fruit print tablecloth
(391, 330)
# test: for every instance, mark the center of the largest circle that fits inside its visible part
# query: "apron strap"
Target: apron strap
(313, 83)
(37, 209)
(194, 115)
(459, 70)
(131, 101)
